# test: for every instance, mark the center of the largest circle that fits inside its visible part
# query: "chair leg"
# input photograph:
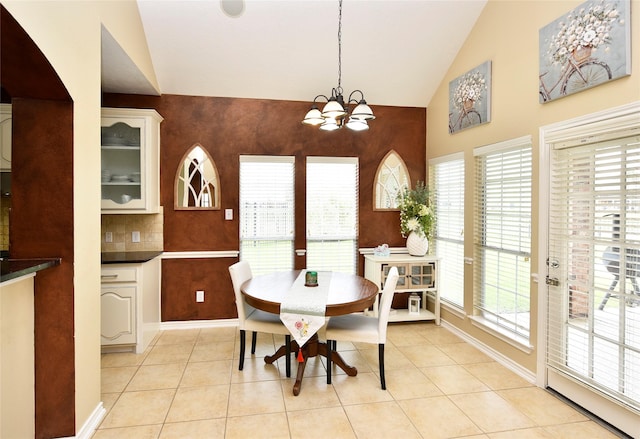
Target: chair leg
(287, 342)
(606, 296)
(329, 350)
(254, 337)
(634, 283)
(381, 361)
(242, 342)
(636, 292)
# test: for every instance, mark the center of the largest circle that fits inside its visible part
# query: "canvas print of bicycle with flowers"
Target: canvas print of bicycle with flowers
(588, 46)
(469, 98)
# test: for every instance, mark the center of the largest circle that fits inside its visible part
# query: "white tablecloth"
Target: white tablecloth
(303, 308)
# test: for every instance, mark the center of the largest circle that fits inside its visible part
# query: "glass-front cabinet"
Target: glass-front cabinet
(417, 275)
(421, 276)
(130, 160)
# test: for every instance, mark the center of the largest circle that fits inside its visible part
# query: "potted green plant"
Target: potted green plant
(416, 218)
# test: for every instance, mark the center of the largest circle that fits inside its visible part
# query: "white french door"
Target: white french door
(592, 292)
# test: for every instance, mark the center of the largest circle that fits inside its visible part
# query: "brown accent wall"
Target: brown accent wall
(182, 277)
(230, 127)
(41, 217)
(42, 226)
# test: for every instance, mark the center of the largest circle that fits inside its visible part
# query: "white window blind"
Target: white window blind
(594, 230)
(446, 175)
(267, 212)
(332, 213)
(503, 237)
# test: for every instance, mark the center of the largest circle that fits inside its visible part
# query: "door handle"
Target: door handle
(552, 281)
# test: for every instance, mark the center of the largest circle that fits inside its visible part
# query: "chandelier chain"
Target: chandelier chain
(340, 46)
(336, 113)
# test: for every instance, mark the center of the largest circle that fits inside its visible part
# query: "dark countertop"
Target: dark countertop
(128, 257)
(15, 268)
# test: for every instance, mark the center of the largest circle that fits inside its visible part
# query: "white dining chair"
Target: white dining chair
(364, 329)
(255, 320)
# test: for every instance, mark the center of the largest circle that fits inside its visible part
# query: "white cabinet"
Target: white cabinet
(130, 305)
(130, 160)
(118, 325)
(416, 274)
(5, 137)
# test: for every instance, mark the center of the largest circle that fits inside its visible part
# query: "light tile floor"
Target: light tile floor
(187, 385)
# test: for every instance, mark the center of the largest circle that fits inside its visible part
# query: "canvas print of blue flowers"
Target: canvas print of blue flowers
(470, 98)
(588, 46)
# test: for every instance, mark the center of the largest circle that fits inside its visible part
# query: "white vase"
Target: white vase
(417, 245)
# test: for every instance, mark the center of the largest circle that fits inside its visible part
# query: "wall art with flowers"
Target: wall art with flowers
(588, 46)
(470, 98)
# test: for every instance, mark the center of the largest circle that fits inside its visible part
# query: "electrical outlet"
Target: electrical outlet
(108, 237)
(228, 214)
(200, 296)
(135, 236)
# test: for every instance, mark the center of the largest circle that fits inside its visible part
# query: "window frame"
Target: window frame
(448, 247)
(515, 329)
(313, 243)
(262, 261)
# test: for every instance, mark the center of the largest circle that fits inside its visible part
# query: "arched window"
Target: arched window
(391, 178)
(197, 184)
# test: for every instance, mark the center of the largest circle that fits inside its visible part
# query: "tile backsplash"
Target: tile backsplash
(122, 227)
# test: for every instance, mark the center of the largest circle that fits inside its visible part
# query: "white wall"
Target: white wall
(17, 379)
(68, 34)
(506, 33)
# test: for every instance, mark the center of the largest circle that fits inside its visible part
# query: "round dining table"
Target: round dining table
(348, 293)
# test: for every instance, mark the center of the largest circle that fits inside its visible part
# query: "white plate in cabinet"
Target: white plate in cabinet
(130, 305)
(130, 160)
(418, 274)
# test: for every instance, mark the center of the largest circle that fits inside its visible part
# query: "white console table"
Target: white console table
(416, 274)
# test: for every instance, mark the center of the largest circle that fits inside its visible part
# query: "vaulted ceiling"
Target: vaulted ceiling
(396, 52)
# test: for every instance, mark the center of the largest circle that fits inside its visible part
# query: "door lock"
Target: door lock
(552, 281)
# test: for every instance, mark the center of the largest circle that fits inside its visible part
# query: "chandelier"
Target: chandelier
(335, 111)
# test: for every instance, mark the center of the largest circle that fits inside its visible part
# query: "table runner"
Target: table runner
(302, 309)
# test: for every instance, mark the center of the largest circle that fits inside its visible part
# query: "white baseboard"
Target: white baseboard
(497, 356)
(198, 324)
(92, 423)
